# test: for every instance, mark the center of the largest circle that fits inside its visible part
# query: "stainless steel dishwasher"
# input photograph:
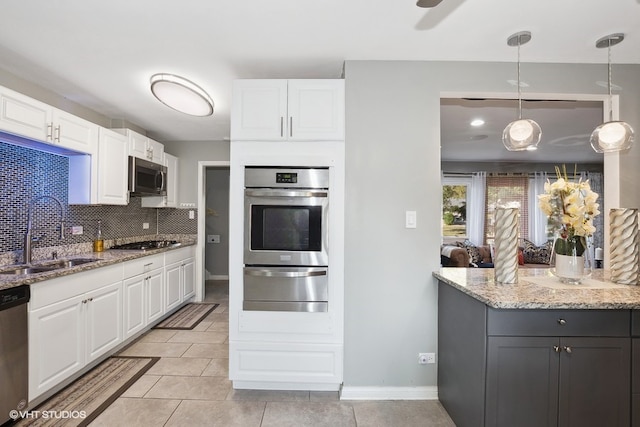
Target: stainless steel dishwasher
(14, 356)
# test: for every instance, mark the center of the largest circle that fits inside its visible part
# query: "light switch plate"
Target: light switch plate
(411, 219)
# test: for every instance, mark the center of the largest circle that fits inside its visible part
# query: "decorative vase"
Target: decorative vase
(624, 246)
(505, 263)
(572, 260)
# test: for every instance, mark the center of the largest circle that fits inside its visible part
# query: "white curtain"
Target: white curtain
(475, 210)
(537, 219)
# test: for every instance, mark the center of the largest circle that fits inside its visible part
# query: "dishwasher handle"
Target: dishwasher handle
(15, 296)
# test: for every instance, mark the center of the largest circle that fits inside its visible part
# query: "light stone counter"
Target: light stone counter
(537, 288)
(108, 257)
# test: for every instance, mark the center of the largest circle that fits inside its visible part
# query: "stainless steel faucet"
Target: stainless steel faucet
(28, 238)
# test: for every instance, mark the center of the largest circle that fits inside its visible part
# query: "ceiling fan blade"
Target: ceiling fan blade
(428, 3)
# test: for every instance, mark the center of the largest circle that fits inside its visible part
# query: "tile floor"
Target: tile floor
(189, 386)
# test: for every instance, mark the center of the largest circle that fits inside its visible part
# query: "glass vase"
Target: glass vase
(572, 260)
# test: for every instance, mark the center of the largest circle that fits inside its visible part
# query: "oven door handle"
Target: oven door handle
(285, 193)
(280, 273)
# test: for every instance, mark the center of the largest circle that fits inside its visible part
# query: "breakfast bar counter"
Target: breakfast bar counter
(537, 352)
(538, 288)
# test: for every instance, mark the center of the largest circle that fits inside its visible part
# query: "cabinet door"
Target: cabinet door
(154, 295)
(103, 320)
(112, 168)
(522, 381)
(25, 116)
(134, 305)
(138, 145)
(595, 382)
(56, 344)
(259, 110)
(173, 280)
(316, 110)
(156, 151)
(189, 279)
(74, 133)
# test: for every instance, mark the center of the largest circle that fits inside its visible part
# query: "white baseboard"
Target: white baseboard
(389, 393)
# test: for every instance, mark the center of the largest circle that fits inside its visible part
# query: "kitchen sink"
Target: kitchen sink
(68, 263)
(27, 270)
(57, 265)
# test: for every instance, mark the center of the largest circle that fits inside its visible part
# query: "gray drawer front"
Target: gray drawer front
(635, 323)
(594, 323)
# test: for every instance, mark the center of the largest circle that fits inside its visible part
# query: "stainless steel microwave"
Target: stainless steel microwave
(147, 178)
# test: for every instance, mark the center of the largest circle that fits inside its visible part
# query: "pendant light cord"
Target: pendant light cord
(609, 81)
(519, 89)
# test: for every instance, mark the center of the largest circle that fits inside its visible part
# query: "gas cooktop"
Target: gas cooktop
(147, 245)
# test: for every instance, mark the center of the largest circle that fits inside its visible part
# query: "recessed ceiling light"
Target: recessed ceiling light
(181, 94)
(477, 122)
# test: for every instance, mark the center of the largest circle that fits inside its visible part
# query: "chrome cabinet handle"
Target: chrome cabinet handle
(49, 131)
(562, 322)
(285, 193)
(567, 349)
(556, 349)
(291, 126)
(271, 273)
(281, 126)
(56, 137)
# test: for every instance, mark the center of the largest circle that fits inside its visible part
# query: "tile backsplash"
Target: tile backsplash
(27, 174)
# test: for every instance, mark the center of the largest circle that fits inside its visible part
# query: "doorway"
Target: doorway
(213, 230)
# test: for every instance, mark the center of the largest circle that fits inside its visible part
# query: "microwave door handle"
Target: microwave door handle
(161, 180)
(285, 193)
(273, 273)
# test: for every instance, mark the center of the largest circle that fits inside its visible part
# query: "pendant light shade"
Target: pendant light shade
(612, 135)
(521, 134)
(181, 94)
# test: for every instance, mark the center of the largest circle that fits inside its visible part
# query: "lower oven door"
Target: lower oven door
(286, 289)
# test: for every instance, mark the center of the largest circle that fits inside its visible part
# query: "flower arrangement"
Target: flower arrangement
(570, 206)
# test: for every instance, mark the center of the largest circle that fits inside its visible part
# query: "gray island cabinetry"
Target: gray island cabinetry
(535, 355)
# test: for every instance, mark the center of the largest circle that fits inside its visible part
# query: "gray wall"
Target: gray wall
(217, 221)
(393, 165)
(190, 153)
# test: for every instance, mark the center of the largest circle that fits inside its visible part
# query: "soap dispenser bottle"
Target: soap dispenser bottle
(98, 241)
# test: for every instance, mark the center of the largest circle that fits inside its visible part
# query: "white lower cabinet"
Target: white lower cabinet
(72, 321)
(144, 293)
(77, 319)
(180, 277)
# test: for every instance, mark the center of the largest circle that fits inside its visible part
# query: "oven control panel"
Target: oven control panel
(286, 177)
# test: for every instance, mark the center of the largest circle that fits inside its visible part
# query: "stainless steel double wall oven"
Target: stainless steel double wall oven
(286, 239)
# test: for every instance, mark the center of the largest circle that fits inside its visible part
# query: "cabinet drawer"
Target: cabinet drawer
(143, 265)
(177, 255)
(593, 323)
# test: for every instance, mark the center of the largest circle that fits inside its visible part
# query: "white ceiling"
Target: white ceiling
(101, 54)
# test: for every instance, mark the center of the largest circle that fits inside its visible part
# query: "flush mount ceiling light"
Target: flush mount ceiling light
(612, 135)
(522, 134)
(181, 94)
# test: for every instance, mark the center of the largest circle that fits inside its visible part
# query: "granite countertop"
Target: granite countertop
(537, 288)
(108, 257)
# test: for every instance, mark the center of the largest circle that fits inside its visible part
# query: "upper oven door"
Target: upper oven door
(286, 227)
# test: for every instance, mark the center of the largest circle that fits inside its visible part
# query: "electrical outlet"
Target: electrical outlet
(192, 215)
(426, 358)
(77, 230)
(145, 225)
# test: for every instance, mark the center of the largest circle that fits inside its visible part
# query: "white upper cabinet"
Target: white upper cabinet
(296, 110)
(143, 147)
(25, 116)
(30, 118)
(113, 149)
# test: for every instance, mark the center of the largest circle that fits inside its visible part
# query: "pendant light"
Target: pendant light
(612, 135)
(181, 94)
(522, 134)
